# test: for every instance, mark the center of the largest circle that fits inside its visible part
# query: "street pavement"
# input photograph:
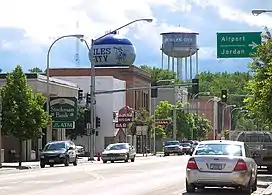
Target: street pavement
(146, 176)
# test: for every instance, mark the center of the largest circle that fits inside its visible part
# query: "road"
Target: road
(146, 176)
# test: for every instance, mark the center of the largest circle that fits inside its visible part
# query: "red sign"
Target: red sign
(120, 125)
(162, 122)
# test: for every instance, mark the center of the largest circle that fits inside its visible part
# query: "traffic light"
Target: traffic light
(97, 122)
(224, 95)
(80, 94)
(195, 87)
(154, 92)
(88, 98)
(87, 116)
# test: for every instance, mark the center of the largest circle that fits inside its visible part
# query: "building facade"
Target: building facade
(132, 75)
(38, 83)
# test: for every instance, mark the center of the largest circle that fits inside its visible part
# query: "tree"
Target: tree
(159, 74)
(80, 129)
(143, 118)
(23, 113)
(35, 70)
(261, 83)
(202, 126)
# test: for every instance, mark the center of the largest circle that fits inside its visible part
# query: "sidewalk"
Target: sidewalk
(33, 164)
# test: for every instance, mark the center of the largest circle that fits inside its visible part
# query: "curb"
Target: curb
(267, 191)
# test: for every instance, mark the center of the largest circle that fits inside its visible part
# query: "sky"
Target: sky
(28, 27)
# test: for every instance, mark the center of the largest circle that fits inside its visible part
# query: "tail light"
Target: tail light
(240, 165)
(192, 164)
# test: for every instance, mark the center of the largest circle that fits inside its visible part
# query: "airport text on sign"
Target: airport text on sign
(237, 44)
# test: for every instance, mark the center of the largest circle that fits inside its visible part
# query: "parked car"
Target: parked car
(58, 152)
(186, 148)
(221, 163)
(260, 144)
(80, 151)
(119, 152)
(172, 147)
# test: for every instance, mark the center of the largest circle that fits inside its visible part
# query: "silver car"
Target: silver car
(119, 152)
(221, 163)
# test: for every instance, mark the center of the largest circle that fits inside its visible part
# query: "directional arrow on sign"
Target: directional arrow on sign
(253, 45)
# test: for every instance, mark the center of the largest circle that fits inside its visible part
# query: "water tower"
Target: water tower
(180, 49)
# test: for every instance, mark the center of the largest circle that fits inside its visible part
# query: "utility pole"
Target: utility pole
(1, 131)
(154, 123)
(175, 114)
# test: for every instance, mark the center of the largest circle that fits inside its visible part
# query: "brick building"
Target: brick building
(134, 77)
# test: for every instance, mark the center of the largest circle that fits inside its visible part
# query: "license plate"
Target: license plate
(216, 166)
(51, 160)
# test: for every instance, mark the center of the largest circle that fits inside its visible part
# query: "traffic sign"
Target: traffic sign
(237, 44)
(124, 119)
(63, 108)
(120, 125)
(63, 124)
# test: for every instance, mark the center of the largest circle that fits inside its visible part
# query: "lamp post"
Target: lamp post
(257, 12)
(195, 106)
(92, 87)
(231, 116)
(215, 114)
(79, 36)
(223, 114)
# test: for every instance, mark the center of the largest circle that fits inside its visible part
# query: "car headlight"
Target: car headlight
(62, 155)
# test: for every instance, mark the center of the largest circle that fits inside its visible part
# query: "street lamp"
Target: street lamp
(231, 115)
(92, 87)
(215, 114)
(79, 36)
(257, 12)
(195, 105)
(223, 114)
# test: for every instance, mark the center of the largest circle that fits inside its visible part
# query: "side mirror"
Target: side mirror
(40, 150)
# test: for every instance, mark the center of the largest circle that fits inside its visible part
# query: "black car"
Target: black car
(58, 152)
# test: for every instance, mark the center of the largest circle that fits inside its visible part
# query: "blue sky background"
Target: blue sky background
(26, 35)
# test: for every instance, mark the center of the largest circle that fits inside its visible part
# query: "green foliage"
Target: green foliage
(35, 70)
(234, 83)
(80, 129)
(143, 118)
(186, 122)
(159, 74)
(23, 113)
(261, 84)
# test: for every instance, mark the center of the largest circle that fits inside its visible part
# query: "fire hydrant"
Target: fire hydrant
(98, 156)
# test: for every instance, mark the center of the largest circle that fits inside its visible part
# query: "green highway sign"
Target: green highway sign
(63, 124)
(237, 44)
(63, 108)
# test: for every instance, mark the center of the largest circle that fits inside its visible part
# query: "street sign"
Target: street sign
(120, 125)
(141, 130)
(63, 108)
(63, 124)
(237, 44)
(124, 119)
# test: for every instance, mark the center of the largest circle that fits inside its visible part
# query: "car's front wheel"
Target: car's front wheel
(133, 159)
(75, 162)
(66, 162)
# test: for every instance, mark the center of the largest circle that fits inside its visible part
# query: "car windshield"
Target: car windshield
(219, 149)
(117, 147)
(169, 143)
(185, 144)
(55, 146)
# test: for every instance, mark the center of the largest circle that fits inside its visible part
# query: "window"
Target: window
(219, 149)
(55, 146)
(169, 143)
(247, 151)
(255, 137)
